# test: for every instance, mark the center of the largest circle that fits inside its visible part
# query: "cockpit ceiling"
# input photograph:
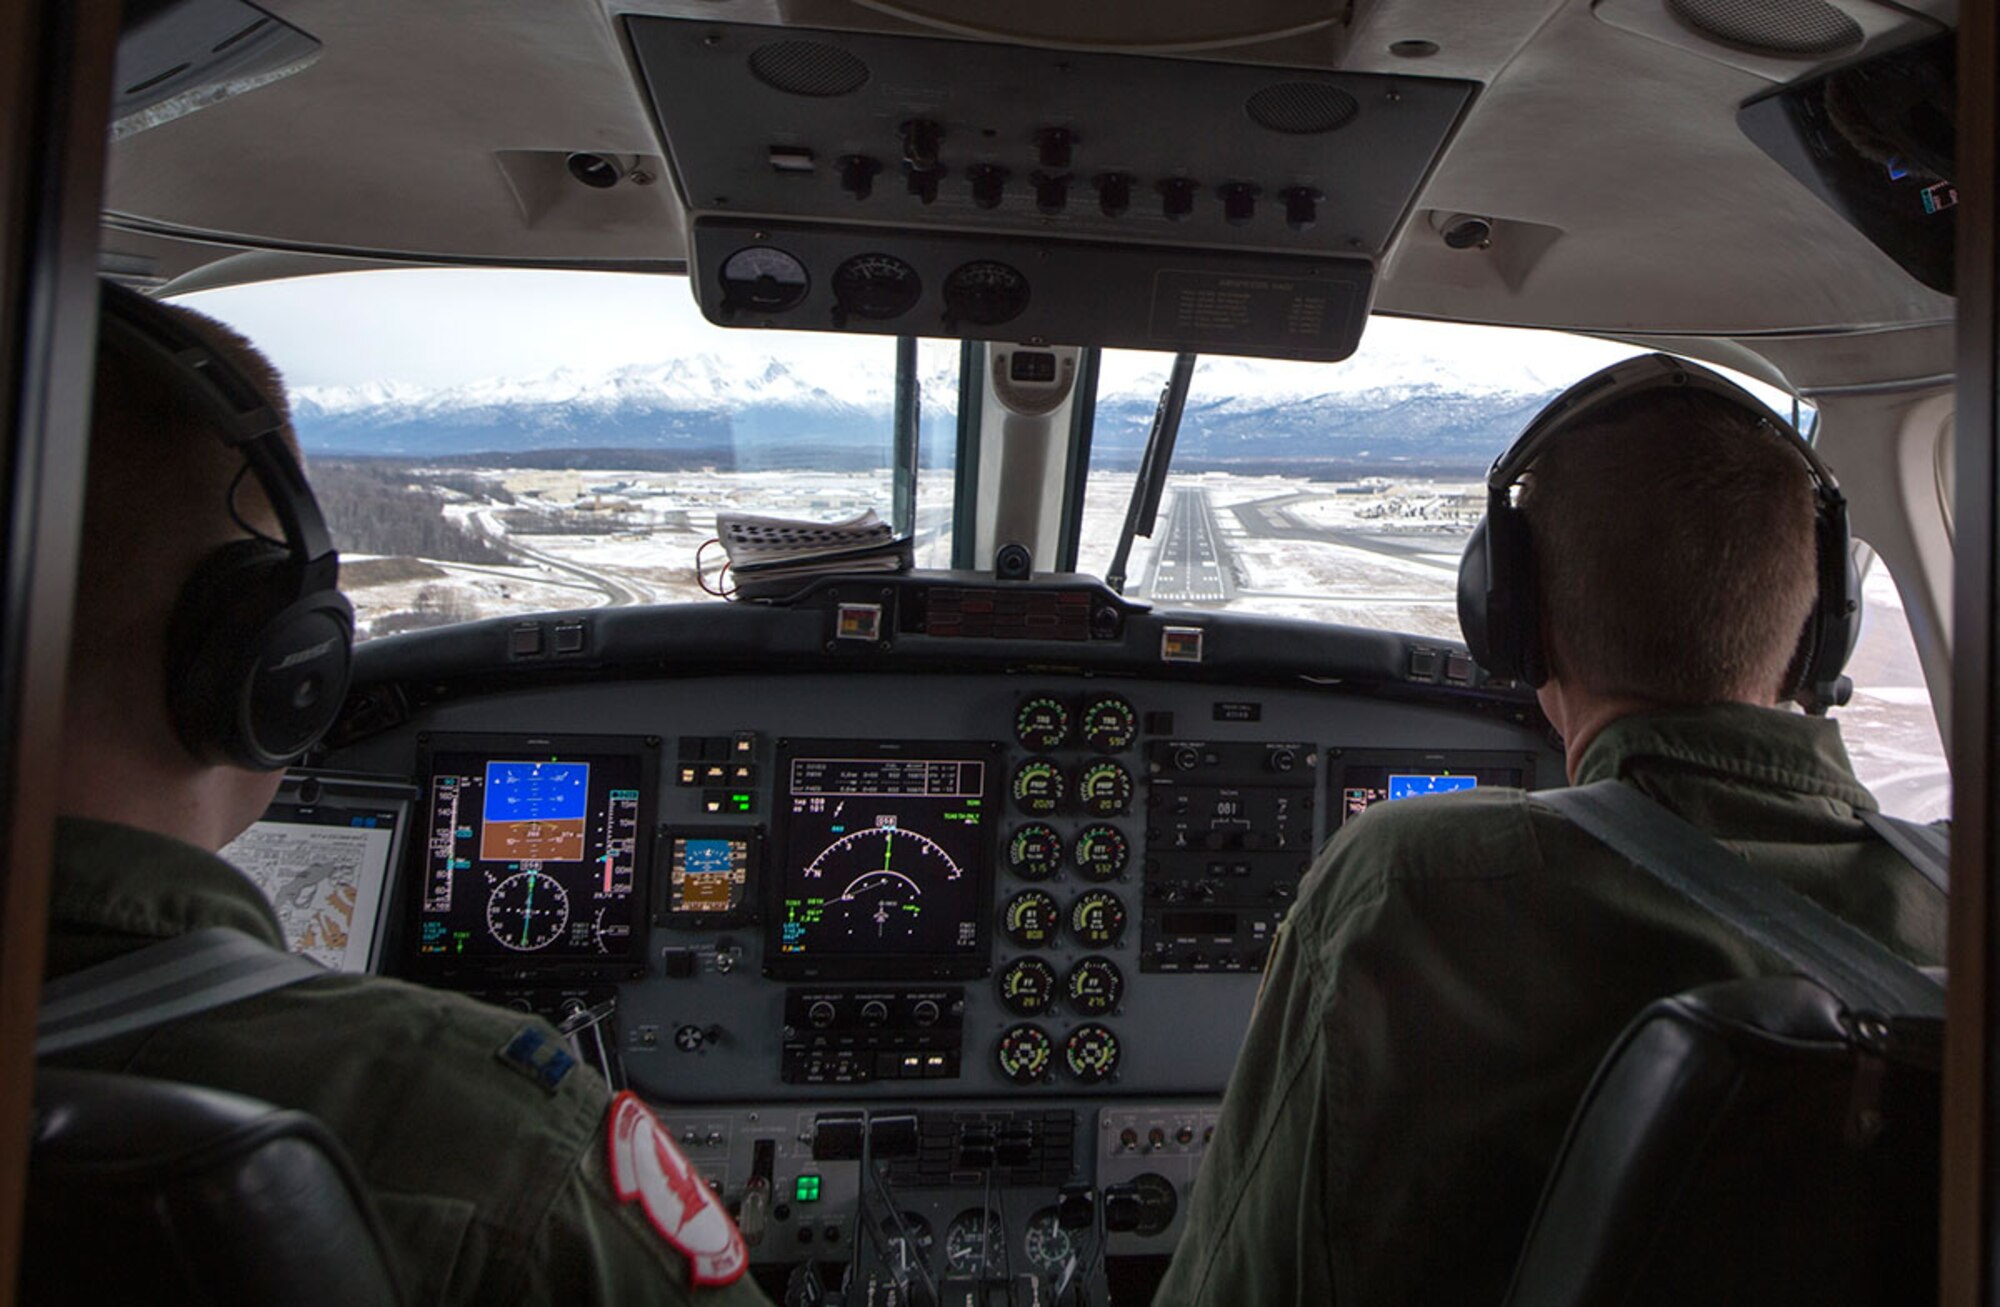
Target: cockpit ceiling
(1603, 149)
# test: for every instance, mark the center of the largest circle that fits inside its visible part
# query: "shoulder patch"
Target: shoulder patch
(536, 1056)
(647, 1167)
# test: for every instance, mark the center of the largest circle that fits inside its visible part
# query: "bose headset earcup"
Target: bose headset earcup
(260, 643)
(1499, 609)
(256, 670)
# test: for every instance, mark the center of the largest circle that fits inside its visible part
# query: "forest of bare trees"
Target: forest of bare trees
(379, 508)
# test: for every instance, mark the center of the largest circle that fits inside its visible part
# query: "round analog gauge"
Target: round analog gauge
(984, 293)
(876, 286)
(1109, 723)
(1032, 919)
(975, 1242)
(1038, 787)
(1105, 788)
(1042, 723)
(1097, 918)
(528, 911)
(1091, 1052)
(1094, 986)
(907, 1242)
(1028, 987)
(1047, 1244)
(1035, 852)
(1101, 852)
(764, 280)
(874, 878)
(1025, 1053)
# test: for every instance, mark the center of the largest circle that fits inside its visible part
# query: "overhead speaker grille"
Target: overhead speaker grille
(1301, 108)
(808, 68)
(1795, 28)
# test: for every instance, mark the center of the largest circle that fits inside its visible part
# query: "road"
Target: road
(1191, 565)
(617, 591)
(1269, 519)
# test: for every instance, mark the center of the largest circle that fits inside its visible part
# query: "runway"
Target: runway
(1192, 564)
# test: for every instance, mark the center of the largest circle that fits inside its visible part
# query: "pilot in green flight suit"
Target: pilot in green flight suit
(1456, 966)
(502, 1170)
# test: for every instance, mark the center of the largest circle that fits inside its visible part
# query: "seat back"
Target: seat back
(149, 1191)
(1747, 1142)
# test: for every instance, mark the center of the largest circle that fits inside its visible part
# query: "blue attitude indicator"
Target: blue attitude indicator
(1406, 786)
(535, 811)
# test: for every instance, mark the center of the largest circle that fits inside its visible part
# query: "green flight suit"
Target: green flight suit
(1452, 973)
(491, 1187)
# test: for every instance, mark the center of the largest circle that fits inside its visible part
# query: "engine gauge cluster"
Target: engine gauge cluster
(1073, 790)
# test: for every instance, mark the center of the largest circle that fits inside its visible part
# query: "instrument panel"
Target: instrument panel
(1006, 930)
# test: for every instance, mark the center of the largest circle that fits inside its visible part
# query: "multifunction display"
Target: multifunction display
(1367, 777)
(884, 859)
(534, 851)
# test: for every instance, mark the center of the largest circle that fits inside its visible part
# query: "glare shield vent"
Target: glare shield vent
(808, 68)
(1301, 108)
(1789, 28)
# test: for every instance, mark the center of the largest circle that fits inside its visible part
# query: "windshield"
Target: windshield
(497, 442)
(1339, 493)
(487, 443)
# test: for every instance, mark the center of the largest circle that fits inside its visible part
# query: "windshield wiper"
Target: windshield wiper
(1143, 513)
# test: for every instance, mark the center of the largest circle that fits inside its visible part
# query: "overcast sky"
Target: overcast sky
(441, 327)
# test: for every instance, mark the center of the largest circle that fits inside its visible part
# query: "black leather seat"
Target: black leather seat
(147, 1191)
(1747, 1142)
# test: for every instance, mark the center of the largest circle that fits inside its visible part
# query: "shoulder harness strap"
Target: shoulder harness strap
(1848, 962)
(162, 982)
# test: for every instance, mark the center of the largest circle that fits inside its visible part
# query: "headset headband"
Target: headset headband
(1597, 392)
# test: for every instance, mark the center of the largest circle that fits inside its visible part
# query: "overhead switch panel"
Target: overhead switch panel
(1010, 156)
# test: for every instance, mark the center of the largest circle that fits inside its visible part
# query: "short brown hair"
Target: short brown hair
(1675, 550)
(157, 497)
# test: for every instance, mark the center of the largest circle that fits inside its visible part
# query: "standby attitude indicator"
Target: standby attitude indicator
(885, 860)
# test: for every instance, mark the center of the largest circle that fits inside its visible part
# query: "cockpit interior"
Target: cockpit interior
(882, 715)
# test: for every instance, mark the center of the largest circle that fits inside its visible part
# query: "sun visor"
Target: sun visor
(177, 56)
(1876, 139)
(899, 185)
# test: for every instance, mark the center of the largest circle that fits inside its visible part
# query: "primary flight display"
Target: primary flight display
(534, 851)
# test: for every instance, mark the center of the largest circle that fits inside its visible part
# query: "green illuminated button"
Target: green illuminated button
(806, 1190)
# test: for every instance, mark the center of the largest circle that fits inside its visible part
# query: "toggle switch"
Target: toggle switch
(1301, 206)
(1239, 202)
(1114, 193)
(1054, 146)
(1177, 198)
(1051, 192)
(857, 174)
(989, 182)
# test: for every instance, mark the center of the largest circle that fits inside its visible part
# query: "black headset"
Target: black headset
(1499, 608)
(260, 644)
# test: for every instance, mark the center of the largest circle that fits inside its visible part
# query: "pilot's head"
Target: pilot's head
(162, 492)
(1675, 551)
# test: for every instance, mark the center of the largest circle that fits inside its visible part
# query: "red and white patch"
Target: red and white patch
(647, 1166)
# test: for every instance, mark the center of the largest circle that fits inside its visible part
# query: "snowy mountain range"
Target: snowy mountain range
(751, 412)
